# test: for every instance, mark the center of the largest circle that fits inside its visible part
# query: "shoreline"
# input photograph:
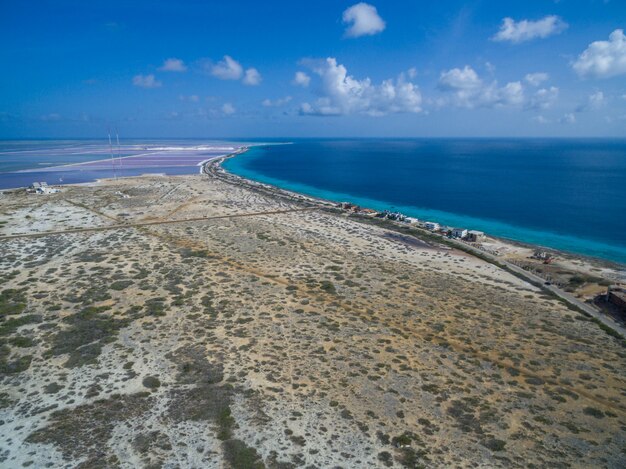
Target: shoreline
(214, 168)
(522, 244)
(571, 237)
(150, 304)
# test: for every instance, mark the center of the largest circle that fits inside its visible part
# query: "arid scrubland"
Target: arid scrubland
(294, 338)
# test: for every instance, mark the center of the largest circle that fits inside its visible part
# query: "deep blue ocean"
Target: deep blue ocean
(565, 194)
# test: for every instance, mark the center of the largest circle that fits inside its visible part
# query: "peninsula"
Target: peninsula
(206, 321)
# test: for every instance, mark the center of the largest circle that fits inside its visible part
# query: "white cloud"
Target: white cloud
(228, 109)
(541, 120)
(344, 94)
(543, 98)
(276, 103)
(146, 81)
(301, 79)
(457, 79)
(464, 88)
(594, 102)
(536, 79)
(525, 30)
(511, 94)
(568, 118)
(603, 59)
(597, 100)
(192, 98)
(363, 20)
(252, 77)
(173, 65)
(227, 69)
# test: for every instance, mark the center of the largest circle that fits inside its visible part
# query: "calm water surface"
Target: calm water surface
(566, 194)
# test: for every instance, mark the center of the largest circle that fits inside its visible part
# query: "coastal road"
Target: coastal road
(211, 169)
(541, 283)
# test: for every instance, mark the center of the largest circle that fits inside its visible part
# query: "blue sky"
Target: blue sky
(228, 69)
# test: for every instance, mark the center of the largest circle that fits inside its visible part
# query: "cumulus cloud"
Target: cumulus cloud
(536, 79)
(543, 98)
(460, 79)
(227, 69)
(363, 20)
(464, 88)
(603, 59)
(597, 100)
(526, 30)
(568, 118)
(146, 81)
(276, 103)
(173, 65)
(344, 94)
(228, 109)
(301, 79)
(594, 102)
(252, 77)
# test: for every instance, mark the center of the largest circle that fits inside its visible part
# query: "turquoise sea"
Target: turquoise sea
(567, 194)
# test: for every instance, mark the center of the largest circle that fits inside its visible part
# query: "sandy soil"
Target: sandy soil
(292, 339)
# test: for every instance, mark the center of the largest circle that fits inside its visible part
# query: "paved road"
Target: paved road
(212, 169)
(535, 279)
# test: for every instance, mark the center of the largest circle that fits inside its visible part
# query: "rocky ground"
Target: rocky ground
(266, 335)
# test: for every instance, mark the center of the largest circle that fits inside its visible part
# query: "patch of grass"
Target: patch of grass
(12, 324)
(225, 423)
(80, 432)
(592, 411)
(494, 444)
(406, 439)
(52, 388)
(185, 253)
(16, 366)
(241, 456)
(89, 330)
(22, 342)
(151, 382)
(121, 285)
(155, 307)
(12, 302)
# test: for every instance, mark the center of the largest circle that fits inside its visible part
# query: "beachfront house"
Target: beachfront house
(474, 236)
(432, 226)
(459, 233)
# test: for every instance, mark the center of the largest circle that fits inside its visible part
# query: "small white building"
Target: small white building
(432, 226)
(42, 188)
(459, 232)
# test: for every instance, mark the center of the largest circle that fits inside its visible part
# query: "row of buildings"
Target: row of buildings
(472, 236)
